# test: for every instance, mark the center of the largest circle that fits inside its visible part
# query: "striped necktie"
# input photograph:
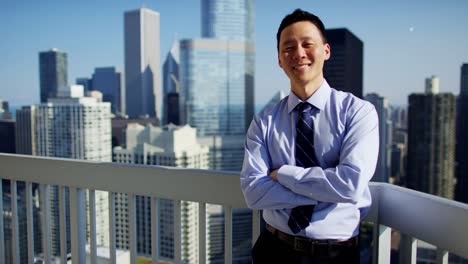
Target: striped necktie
(301, 216)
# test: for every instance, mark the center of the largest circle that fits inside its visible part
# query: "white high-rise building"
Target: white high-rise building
(142, 63)
(169, 146)
(77, 128)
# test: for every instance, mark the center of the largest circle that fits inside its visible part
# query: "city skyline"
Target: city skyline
(403, 42)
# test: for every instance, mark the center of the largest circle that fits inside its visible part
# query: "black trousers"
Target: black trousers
(270, 249)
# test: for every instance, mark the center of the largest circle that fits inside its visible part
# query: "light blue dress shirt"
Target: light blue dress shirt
(346, 143)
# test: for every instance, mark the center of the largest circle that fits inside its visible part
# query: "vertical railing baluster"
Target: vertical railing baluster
(112, 245)
(227, 234)
(14, 222)
(256, 214)
(132, 227)
(177, 232)
(382, 240)
(62, 223)
(201, 233)
(30, 222)
(155, 229)
(45, 210)
(442, 256)
(92, 226)
(78, 225)
(2, 236)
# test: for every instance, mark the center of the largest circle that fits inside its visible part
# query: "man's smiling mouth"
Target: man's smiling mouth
(302, 66)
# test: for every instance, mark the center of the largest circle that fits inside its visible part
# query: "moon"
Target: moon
(411, 28)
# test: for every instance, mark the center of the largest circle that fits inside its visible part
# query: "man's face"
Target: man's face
(302, 53)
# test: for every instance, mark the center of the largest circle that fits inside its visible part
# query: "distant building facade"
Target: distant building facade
(142, 63)
(86, 82)
(344, 69)
(171, 86)
(461, 193)
(109, 81)
(77, 128)
(53, 75)
(431, 142)
(382, 171)
(169, 146)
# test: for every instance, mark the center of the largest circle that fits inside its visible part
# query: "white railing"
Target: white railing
(438, 221)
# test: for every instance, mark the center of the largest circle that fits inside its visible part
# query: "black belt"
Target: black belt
(311, 246)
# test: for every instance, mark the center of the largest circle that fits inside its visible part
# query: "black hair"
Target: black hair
(297, 16)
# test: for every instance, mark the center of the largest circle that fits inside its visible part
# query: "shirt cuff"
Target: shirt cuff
(287, 175)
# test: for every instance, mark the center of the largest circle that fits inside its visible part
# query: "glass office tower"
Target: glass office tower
(217, 85)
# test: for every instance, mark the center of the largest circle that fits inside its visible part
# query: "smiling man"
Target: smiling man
(309, 158)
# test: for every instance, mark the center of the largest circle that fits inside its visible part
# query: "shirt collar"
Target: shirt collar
(318, 99)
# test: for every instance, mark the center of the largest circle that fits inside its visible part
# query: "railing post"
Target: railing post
(78, 226)
(132, 227)
(92, 225)
(29, 222)
(382, 244)
(442, 256)
(45, 208)
(201, 233)
(14, 223)
(256, 215)
(177, 232)
(155, 229)
(408, 249)
(2, 237)
(112, 245)
(227, 234)
(62, 223)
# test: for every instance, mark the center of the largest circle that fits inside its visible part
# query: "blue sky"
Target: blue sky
(396, 59)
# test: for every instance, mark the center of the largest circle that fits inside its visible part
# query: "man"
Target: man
(309, 159)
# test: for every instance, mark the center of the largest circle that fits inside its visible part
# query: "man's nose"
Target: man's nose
(300, 53)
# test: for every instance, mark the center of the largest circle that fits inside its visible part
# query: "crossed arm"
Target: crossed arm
(289, 186)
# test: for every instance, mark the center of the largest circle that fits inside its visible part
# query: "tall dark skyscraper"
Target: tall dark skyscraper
(461, 190)
(344, 69)
(171, 110)
(431, 142)
(108, 80)
(52, 73)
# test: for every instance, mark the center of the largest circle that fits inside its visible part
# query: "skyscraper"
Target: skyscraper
(171, 87)
(52, 73)
(230, 24)
(108, 80)
(216, 85)
(77, 128)
(142, 63)
(228, 20)
(86, 82)
(382, 171)
(461, 193)
(431, 143)
(167, 146)
(344, 69)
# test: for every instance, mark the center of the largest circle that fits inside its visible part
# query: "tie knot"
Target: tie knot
(304, 107)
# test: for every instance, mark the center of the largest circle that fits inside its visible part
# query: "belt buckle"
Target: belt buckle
(303, 245)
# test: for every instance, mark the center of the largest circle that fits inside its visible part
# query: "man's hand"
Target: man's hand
(274, 175)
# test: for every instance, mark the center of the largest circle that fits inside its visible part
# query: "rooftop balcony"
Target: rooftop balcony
(419, 216)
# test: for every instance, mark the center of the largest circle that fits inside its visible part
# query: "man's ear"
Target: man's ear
(279, 62)
(327, 51)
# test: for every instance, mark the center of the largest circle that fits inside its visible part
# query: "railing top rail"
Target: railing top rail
(197, 185)
(438, 221)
